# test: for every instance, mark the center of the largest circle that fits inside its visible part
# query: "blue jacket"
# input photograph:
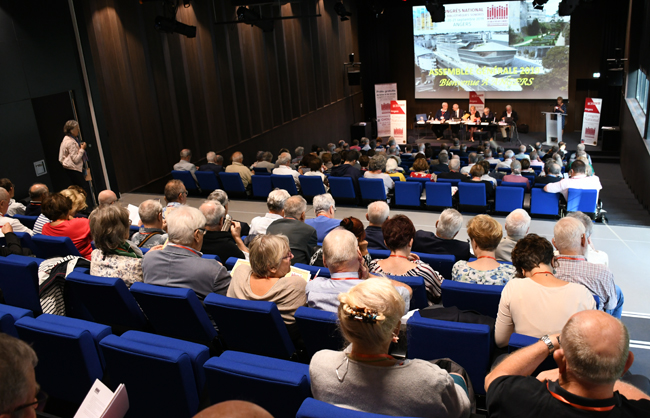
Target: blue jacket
(323, 225)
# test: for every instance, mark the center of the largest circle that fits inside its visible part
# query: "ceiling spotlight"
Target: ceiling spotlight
(246, 15)
(566, 7)
(340, 10)
(165, 24)
(539, 4)
(436, 10)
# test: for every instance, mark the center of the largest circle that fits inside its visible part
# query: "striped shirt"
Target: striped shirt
(40, 222)
(595, 277)
(432, 279)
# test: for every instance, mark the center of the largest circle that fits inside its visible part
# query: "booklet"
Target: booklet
(101, 402)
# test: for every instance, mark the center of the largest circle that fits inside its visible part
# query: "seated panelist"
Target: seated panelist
(443, 114)
(487, 116)
(508, 113)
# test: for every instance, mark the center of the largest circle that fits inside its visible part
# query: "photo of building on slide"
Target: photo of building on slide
(503, 47)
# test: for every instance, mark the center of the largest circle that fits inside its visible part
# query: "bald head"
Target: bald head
(340, 251)
(106, 197)
(596, 347)
(37, 192)
(237, 157)
(234, 409)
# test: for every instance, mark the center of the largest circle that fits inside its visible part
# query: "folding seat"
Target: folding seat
(419, 298)
(472, 197)
(262, 171)
(543, 203)
(513, 184)
(27, 221)
(311, 408)
(262, 186)
(422, 180)
(9, 315)
(208, 180)
(481, 298)
(105, 300)
(285, 182)
(186, 178)
(506, 170)
(321, 271)
(508, 199)
(438, 195)
(311, 186)
(372, 189)
(254, 327)
(531, 178)
(454, 182)
(342, 189)
(69, 360)
(467, 344)
(319, 330)
(213, 256)
(19, 283)
(279, 386)
(175, 312)
(232, 184)
(408, 194)
(49, 247)
(230, 263)
(581, 200)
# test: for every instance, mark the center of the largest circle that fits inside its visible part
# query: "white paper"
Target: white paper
(134, 216)
(101, 402)
(120, 404)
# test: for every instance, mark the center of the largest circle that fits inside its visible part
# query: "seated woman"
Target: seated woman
(365, 378)
(525, 166)
(114, 255)
(476, 176)
(316, 169)
(485, 234)
(398, 233)
(391, 170)
(59, 209)
(78, 197)
(420, 167)
(538, 303)
(270, 260)
(376, 169)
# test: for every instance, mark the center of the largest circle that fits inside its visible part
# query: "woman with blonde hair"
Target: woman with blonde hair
(78, 197)
(365, 377)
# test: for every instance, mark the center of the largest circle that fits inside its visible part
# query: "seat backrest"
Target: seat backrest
(319, 330)
(472, 194)
(505, 170)
(421, 180)
(419, 299)
(508, 199)
(27, 221)
(19, 283)
(186, 178)
(543, 203)
(68, 359)
(442, 263)
(454, 182)
(342, 187)
(160, 380)
(438, 194)
(311, 185)
(232, 182)
(467, 344)
(262, 171)
(262, 185)
(513, 184)
(518, 341)
(472, 297)
(230, 263)
(408, 193)
(311, 408)
(106, 300)
(50, 247)
(286, 182)
(530, 177)
(208, 180)
(254, 327)
(582, 200)
(372, 189)
(9, 315)
(313, 270)
(279, 386)
(174, 312)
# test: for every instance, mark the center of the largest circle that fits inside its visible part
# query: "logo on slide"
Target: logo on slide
(591, 132)
(497, 15)
(385, 107)
(398, 131)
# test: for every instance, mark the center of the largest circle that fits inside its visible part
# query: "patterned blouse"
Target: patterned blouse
(498, 276)
(128, 269)
(432, 278)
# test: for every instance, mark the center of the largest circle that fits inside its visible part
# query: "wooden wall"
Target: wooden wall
(227, 89)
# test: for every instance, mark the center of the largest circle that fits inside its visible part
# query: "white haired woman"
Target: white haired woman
(375, 171)
(366, 378)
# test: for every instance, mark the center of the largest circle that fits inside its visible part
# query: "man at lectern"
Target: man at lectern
(561, 108)
(442, 116)
(510, 117)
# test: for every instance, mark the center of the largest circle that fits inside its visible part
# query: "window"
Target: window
(642, 85)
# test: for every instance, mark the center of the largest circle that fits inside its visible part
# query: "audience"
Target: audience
(509, 155)
(578, 179)
(275, 204)
(453, 172)
(570, 240)
(302, 237)
(266, 161)
(12, 243)
(516, 176)
(393, 169)
(345, 262)
(19, 393)
(365, 378)
(377, 214)
(376, 169)
(486, 173)
(175, 196)
(347, 169)
(184, 164)
(106, 198)
(37, 193)
(517, 226)
(16, 226)
(237, 167)
(179, 263)
(476, 177)
(442, 166)
(324, 209)
(537, 303)
(522, 153)
(580, 148)
(78, 197)
(398, 234)
(485, 234)
(315, 169)
(214, 163)
(222, 197)
(592, 255)
(59, 209)
(592, 353)
(472, 159)
(151, 231)
(535, 161)
(420, 168)
(284, 168)
(552, 174)
(442, 241)
(216, 241)
(489, 158)
(525, 166)
(114, 256)
(15, 208)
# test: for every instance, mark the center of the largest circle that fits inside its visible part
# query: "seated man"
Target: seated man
(553, 174)
(592, 353)
(578, 179)
(16, 225)
(522, 153)
(222, 197)
(442, 242)
(348, 169)
(489, 158)
(151, 232)
(516, 176)
(37, 193)
(508, 158)
(302, 237)
(517, 226)
(511, 117)
(179, 264)
(225, 244)
(342, 257)
(472, 158)
(443, 163)
(284, 168)
(19, 392)
(175, 196)
(572, 266)
(267, 161)
(377, 214)
(580, 149)
(275, 205)
(592, 254)
(15, 208)
(184, 164)
(106, 198)
(535, 161)
(237, 167)
(214, 164)
(324, 209)
(454, 171)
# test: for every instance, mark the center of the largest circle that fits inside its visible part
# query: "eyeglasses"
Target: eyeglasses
(184, 193)
(203, 231)
(288, 256)
(41, 398)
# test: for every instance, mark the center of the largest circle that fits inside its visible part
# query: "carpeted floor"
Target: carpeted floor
(618, 200)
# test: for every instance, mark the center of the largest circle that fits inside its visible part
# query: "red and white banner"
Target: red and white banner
(384, 94)
(398, 120)
(477, 100)
(591, 121)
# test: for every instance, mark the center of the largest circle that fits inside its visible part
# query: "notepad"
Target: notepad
(134, 215)
(101, 402)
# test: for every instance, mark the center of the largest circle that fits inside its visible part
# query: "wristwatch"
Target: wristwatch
(546, 340)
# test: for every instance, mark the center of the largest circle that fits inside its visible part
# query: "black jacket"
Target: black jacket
(375, 238)
(221, 243)
(515, 118)
(427, 242)
(302, 238)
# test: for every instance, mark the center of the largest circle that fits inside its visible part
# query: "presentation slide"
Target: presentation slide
(506, 48)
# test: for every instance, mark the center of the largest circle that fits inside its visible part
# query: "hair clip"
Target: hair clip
(365, 315)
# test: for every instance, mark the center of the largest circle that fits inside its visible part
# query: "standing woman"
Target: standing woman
(561, 108)
(72, 156)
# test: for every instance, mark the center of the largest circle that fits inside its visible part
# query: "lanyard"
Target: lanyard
(187, 248)
(486, 256)
(345, 276)
(584, 408)
(566, 257)
(397, 255)
(543, 272)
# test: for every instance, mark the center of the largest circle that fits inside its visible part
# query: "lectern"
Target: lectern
(553, 127)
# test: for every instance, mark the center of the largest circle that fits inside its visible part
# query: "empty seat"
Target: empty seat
(543, 203)
(481, 298)
(279, 386)
(232, 183)
(49, 247)
(319, 330)
(472, 197)
(408, 194)
(175, 312)
(68, 356)
(286, 182)
(27, 221)
(467, 344)
(438, 195)
(254, 327)
(582, 200)
(311, 186)
(186, 178)
(311, 408)
(9, 315)
(208, 180)
(342, 188)
(19, 283)
(372, 189)
(262, 186)
(508, 199)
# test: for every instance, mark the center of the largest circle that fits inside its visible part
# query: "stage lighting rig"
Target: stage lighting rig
(169, 25)
(248, 16)
(539, 4)
(566, 7)
(340, 10)
(436, 10)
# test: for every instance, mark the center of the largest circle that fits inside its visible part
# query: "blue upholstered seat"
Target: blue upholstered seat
(482, 298)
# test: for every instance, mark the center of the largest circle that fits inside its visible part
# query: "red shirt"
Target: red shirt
(77, 229)
(421, 175)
